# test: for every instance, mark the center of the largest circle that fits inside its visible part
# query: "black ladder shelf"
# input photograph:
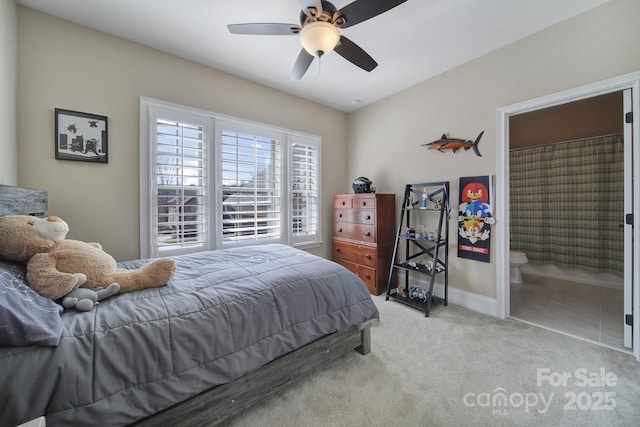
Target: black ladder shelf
(426, 251)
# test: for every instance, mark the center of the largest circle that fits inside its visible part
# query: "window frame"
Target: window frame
(213, 124)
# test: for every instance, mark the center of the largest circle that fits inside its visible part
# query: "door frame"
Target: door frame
(620, 83)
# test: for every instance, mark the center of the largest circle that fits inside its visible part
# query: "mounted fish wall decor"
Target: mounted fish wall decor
(454, 144)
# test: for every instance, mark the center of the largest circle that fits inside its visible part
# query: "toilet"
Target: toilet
(516, 259)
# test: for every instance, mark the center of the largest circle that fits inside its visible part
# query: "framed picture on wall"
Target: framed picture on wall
(81, 136)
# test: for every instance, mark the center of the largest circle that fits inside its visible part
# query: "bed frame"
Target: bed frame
(218, 405)
(221, 403)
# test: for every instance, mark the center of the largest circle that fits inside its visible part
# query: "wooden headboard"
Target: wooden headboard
(22, 201)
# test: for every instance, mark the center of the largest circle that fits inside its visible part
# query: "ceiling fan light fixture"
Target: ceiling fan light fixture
(319, 38)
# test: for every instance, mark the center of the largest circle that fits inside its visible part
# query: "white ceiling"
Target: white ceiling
(413, 42)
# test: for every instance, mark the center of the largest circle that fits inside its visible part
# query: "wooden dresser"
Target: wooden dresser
(363, 236)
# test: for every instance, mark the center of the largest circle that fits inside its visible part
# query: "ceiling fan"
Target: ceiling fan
(318, 29)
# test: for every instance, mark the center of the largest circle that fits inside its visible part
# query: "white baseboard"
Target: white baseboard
(475, 302)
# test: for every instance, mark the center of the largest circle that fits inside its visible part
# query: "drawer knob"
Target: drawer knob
(339, 215)
(364, 203)
(368, 276)
(344, 203)
(367, 256)
(339, 230)
(368, 234)
(337, 249)
(368, 216)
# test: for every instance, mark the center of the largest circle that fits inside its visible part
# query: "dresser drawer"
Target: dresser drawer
(362, 216)
(364, 201)
(354, 231)
(359, 254)
(342, 202)
(366, 274)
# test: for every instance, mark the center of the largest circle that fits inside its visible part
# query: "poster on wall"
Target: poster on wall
(475, 218)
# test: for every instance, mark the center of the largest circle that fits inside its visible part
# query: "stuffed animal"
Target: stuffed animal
(83, 299)
(55, 265)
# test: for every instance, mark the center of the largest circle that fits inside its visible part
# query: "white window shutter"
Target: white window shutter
(178, 184)
(304, 190)
(250, 166)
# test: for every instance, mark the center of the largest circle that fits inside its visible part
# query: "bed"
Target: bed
(232, 327)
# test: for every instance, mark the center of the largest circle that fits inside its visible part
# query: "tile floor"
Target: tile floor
(591, 312)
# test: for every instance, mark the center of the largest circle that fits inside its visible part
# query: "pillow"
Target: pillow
(26, 318)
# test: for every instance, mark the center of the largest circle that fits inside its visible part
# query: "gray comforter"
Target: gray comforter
(224, 314)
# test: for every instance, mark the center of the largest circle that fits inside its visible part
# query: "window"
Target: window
(209, 181)
(304, 184)
(251, 187)
(179, 158)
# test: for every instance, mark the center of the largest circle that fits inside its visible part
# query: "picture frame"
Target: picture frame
(81, 136)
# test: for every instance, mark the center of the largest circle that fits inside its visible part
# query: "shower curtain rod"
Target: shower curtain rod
(567, 141)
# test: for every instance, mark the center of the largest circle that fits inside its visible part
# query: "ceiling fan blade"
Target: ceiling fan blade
(262, 29)
(302, 65)
(361, 10)
(354, 54)
(311, 8)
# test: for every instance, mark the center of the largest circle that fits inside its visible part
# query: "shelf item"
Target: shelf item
(421, 249)
(363, 236)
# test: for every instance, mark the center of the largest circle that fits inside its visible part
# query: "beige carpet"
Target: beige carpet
(461, 368)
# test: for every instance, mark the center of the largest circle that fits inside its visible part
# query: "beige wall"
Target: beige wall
(8, 147)
(385, 138)
(61, 64)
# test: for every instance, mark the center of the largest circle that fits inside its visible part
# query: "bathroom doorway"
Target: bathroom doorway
(567, 208)
(630, 85)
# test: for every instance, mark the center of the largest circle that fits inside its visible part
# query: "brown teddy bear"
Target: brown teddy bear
(55, 266)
